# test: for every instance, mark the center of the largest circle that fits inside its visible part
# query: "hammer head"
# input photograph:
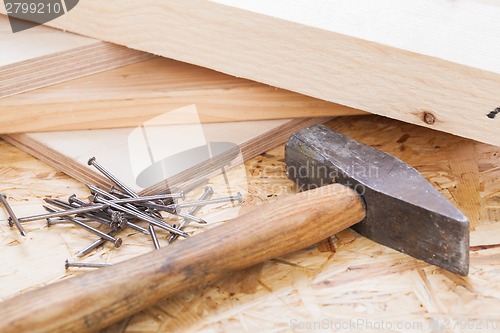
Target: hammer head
(403, 211)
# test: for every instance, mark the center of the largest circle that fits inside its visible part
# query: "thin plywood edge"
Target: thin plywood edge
(43, 56)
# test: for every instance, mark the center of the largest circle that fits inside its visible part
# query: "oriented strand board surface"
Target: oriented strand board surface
(359, 287)
(43, 56)
(401, 59)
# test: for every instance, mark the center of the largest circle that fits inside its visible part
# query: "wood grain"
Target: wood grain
(131, 95)
(362, 280)
(103, 297)
(399, 59)
(463, 165)
(44, 56)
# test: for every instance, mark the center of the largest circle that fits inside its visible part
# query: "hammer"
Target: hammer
(384, 198)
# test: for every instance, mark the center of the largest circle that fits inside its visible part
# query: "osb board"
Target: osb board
(359, 287)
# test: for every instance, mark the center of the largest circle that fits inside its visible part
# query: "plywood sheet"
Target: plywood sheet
(153, 157)
(43, 56)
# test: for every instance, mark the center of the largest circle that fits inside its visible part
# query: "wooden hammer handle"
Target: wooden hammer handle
(97, 299)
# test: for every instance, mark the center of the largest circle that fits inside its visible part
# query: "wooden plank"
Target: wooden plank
(130, 95)
(132, 153)
(361, 282)
(431, 63)
(43, 56)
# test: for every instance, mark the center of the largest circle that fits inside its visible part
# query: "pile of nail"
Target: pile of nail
(117, 209)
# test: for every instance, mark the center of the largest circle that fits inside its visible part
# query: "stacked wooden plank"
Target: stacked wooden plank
(431, 63)
(139, 91)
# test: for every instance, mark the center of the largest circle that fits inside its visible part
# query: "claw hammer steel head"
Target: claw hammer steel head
(403, 211)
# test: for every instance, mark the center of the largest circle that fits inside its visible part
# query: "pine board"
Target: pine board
(130, 95)
(362, 282)
(43, 56)
(427, 62)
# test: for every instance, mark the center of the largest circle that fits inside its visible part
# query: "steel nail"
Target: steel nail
(61, 220)
(57, 202)
(147, 198)
(116, 241)
(166, 195)
(92, 161)
(12, 216)
(72, 199)
(152, 231)
(168, 209)
(67, 205)
(108, 219)
(113, 190)
(62, 213)
(238, 197)
(69, 264)
(177, 212)
(54, 221)
(75, 200)
(95, 244)
(143, 217)
(96, 190)
(105, 214)
(205, 195)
